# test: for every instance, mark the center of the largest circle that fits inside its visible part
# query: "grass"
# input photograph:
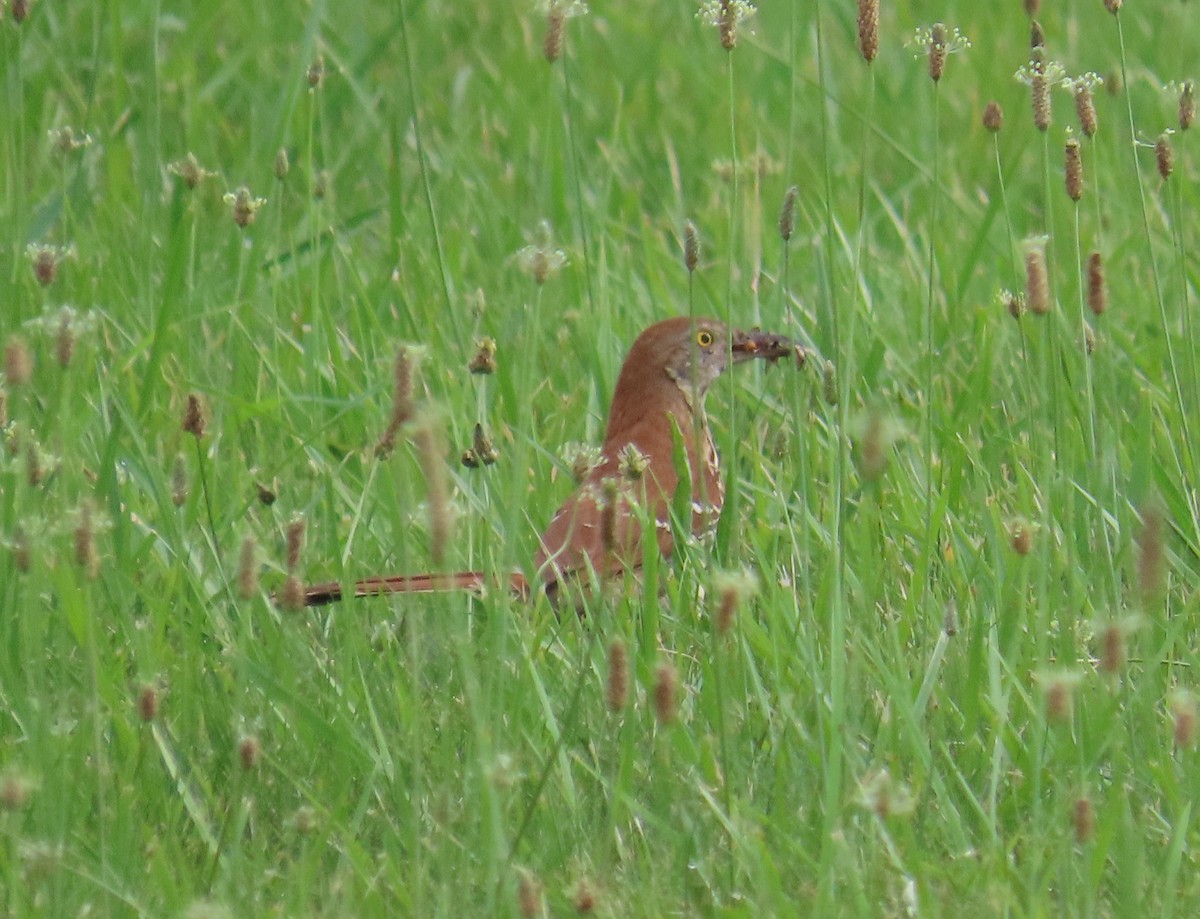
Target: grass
(966, 681)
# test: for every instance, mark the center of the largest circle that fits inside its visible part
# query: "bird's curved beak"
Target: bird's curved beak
(760, 344)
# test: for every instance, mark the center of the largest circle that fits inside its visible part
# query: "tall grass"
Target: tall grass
(965, 679)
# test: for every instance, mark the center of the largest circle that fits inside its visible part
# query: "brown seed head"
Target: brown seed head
(295, 542)
(248, 568)
(483, 448)
(1164, 155)
(291, 598)
(950, 619)
(1037, 35)
(618, 676)
(86, 556)
(147, 702)
(243, 205)
(937, 51)
(430, 451)
(249, 752)
(193, 417)
(1184, 720)
(1033, 7)
(584, 898)
(1113, 6)
(868, 29)
(691, 246)
(64, 339)
(189, 170)
(666, 687)
(19, 10)
(1073, 169)
(36, 467)
(1187, 105)
(179, 483)
(1080, 89)
(1020, 534)
(1112, 649)
(18, 361)
(582, 458)
(1097, 290)
(1013, 302)
(265, 493)
(610, 496)
(632, 462)
(787, 214)
(22, 552)
(16, 790)
(993, 116)
(733, 589)
(315, 75)
(1083, 820)
(552, 43)
(1037, 280)
(483, 362)
(1059, 690)
(829, 383)
(1151, 552)
(529, 894)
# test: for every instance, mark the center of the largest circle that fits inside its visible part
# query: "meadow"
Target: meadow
(941, 658)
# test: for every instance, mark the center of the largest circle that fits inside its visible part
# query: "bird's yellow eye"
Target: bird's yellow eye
(704, 338)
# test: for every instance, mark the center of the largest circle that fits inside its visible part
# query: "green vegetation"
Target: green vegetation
(965, 682)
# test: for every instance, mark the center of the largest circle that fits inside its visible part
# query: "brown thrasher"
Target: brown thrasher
(597, 533)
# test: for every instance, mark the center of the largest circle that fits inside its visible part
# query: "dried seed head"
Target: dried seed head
(691, 246)
(266, 494)
(1151, 552)
(430, 451)
(46, 260)
(189, 170)
(1020, 535)
(402, 401)
(1184, 719)
(193, 417)
(993, 116)
(617, 692)
(483, 362)
(733, 589)
(16, 790)
(610, 496)
(1040, 75)
(248, 568)
(18, 361)
(1113, 6)
(1097, 290)
(283, 165)
(1112, 648)
(1013, 302)
(529, 894)
(632, 462)
(582, 458)
(291, 598)
(725, 16)
(22, 552)
(249, 752)
(666, 689)
(483, 448)
(540, 259)
(1083, 820)
(243, 205)
(584, 898)
(295, 542)
(1073, 169)
(950, 619)
(1033, 7)
(937, 51)
(64, 339)
(868, 29)
(86, 556)
(1037, 35)
(179, 483)
(552, 43)
(1037, 280)
(829, 383)
(787, 214)
(1081, 89)
(880, 794)
(315, 75)
(1164, 155)
(935, 44)
(147, 702)
(1059, 690)
(1187, 105)
(19, 10)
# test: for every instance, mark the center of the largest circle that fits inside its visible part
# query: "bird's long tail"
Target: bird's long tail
(477, 582)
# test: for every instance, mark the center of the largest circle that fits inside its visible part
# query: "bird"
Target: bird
(657, 428)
